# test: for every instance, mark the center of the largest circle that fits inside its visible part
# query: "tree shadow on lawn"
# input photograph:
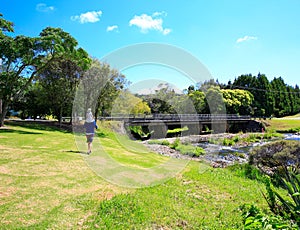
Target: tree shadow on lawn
(6, 130)
(41, 125)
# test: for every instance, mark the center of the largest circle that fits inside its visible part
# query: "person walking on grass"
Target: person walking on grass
(90, 125)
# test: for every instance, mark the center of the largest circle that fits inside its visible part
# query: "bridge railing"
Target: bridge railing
(176, 117)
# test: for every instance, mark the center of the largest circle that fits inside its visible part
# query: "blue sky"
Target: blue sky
(229, 37)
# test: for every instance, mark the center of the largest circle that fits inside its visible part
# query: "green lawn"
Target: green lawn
(284, 123)
(46, 183)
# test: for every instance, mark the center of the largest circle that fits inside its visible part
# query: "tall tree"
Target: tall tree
(264, 96)
(34, 103)
(282, 97)
(24, 58)
(99, 88)
(164, 100)
(263, 104)
(60, 81)
(237, 101)
(214, 100)
(127, 103)
(198, 99)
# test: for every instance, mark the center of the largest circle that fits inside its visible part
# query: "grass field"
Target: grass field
(285, 123)
(46, 183)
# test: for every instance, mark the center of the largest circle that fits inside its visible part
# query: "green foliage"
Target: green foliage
(59, 82)
(5, 26)
(163, 101)
(247, 171)
(177, 130)
(294, 130)
(236, 138)
(214, 98)
(228, 142)
(198, 99)
(139, 132)
(272, 157)
(237, 101)
(255, 219)
(175, 143)
(99, 88)
(286, 207)
(283, 104)
(159, 142)
(187, 149)
(165, 142)
(25, 58)
(270, 98)
(127, 103)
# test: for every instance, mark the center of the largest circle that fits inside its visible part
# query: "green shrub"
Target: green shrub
(154, 142)
(213, 141)
(138, 132)
(175, 143)
(178, 130)
(285, 209)
(165, 142)
(273, 156)
(228, 142)
(236, 138)
(159, 142)
(187, 149)
(294, 130)
(288, 208)
(255, 219)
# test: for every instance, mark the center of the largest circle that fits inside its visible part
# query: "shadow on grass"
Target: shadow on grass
(17, 131)
(41, 125)
(76, 151)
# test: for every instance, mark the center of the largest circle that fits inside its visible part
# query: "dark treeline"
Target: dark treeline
(271, 98)
(246, 95)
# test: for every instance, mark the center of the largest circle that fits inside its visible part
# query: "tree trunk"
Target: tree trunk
(60, 116)
(4, 107)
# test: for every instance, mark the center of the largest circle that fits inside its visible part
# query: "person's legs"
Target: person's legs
(89, 139)
(89, 147)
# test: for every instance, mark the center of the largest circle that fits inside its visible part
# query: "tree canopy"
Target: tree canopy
(24, 59)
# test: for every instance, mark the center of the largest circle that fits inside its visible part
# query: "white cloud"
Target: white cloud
(42, 7)
(246, 38)
(91, 16)
(112, 28)
(150, 22)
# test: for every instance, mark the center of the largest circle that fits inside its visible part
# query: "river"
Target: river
(221, 156)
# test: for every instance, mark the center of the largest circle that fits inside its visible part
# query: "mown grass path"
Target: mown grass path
(45, 183)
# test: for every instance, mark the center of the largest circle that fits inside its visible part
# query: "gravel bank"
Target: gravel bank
(215, 158)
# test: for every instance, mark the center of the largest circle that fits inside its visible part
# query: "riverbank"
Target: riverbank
(216, 154)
